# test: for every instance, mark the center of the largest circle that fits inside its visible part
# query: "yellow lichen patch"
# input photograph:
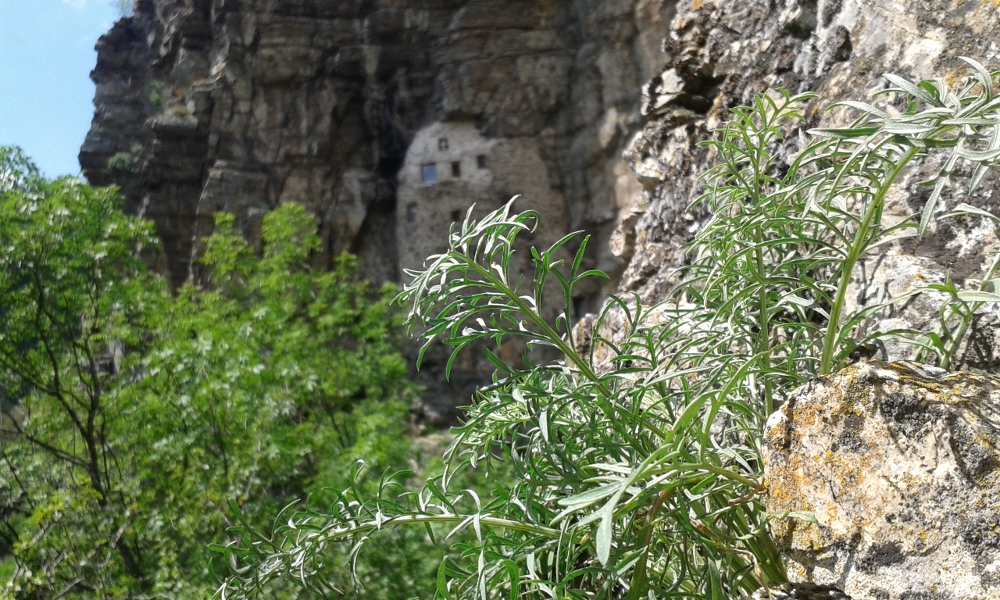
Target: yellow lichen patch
(881, 454)
(954, 78)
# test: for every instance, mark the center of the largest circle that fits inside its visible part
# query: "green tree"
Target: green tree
(72, 291)
(133, 416)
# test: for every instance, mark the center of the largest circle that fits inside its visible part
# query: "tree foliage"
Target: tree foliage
(133, 416)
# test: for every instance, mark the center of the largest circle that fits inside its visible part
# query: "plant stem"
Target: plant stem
(764, 337)
(362, 528)
(858, 248)
(959, 334)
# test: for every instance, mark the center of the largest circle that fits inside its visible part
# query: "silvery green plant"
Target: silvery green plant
(640, 477)
(956, 315)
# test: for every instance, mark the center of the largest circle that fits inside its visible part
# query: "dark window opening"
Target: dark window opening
(411, 213)
(580, 308)
(456, 169)
(442, 143)
(456, 215)
(429, 173)
(481, 161)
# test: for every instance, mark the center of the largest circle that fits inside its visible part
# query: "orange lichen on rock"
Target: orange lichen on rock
(899, 465)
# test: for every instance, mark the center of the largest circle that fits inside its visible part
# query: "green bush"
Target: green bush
(138, 415)
(124, 162)
(639, 477)
(156, 91)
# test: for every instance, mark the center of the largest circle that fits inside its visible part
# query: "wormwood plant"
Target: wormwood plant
(640, 478)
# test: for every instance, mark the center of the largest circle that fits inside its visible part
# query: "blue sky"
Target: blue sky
(46, 96)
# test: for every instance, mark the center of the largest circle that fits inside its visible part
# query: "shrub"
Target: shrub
(124, 162)
(156, 94)
(128, 416)
(640, 477)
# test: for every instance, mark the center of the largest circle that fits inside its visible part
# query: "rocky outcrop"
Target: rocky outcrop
(798, 591)
(240, 105)
(896, 466)
(389, 118)
(719, 54)
(386, 118)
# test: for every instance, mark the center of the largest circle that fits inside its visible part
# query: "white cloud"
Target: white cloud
(77, 4)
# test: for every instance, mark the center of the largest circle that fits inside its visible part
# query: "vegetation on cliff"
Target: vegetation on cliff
(637, 461)
(138, 426)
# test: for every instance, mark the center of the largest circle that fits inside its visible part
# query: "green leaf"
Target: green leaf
(978, 296)
(606, 527)
(845, 132)
(913, 90)
(928, 212)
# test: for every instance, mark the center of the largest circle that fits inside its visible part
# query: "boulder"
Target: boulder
(885, 478)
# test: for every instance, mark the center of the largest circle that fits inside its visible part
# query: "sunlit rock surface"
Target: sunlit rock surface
(898, 466)
(718, 54)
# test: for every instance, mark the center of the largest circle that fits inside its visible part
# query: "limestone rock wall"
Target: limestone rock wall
(898, 466)
(897, 463)
(719, 54)
(240, 105)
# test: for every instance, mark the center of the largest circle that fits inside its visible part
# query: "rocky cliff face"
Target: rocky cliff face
(387, 118)
(895, 462)
(898, 464)
(243, 104)
(240, 105)
(719, 54)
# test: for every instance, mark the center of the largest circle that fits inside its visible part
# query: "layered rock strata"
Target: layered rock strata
(241, 105)
(387, 118)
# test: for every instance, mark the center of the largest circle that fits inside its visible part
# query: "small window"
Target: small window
(481, 161)
(456, 169)
(411, 213)
(456, 215)
(442, 143)
(429, 173)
